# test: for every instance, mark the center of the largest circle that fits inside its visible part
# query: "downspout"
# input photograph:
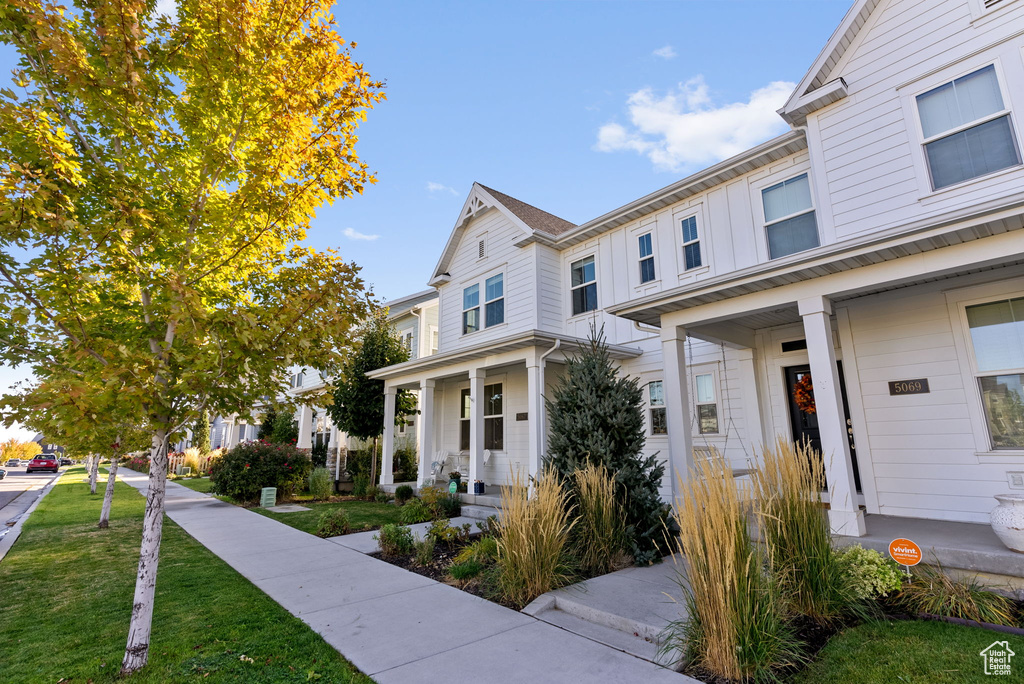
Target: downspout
(649, 329)
(419, 333)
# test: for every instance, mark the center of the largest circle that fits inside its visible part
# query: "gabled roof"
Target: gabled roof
(821, 71)
(528, 218)
(402, 305)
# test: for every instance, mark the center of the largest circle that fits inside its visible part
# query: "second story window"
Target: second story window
(584, 286)
(494, 300)
(789, 217)
(646, 258)
(659, 421)
(691, 243)
(470, 309)
(967, 129)
(407, 342)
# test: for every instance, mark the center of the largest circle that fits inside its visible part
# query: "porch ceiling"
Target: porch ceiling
(887, 246)
(530, 339)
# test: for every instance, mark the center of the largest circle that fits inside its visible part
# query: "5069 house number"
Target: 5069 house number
(919, 386)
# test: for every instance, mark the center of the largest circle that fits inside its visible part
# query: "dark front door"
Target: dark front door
(805, 425)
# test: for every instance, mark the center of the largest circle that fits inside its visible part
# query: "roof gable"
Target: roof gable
(528, 218)
(821, 71)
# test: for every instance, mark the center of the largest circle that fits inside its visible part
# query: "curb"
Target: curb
(7, 541)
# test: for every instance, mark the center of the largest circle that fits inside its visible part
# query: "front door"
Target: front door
(805, 425)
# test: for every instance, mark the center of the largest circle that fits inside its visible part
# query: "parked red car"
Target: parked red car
(43, 462)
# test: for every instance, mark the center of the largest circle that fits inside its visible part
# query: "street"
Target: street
(16, 491)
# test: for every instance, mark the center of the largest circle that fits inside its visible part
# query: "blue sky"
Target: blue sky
(576, 107)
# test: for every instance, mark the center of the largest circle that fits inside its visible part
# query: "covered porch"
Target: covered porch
(481, 408)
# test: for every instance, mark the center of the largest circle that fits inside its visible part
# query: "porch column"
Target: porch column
(845, 515)
(535, 417)
(677, 407)
(305, 440)
(750, 399)
(425, 430)
(387, 449)
(332, 448)
(476, 424)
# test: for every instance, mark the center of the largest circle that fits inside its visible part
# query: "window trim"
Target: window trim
(642, 258)
(652, 407)
(480, 282)
(716, 385)
(465, 391)
(488, 302)
(768, 184)
(597, 304)
(685, 244)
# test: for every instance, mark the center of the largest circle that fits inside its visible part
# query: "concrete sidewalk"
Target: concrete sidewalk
(395, 625)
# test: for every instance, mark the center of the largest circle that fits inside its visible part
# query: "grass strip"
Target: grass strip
(67, 595)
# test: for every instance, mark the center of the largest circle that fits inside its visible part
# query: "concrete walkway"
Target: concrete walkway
(395, 625)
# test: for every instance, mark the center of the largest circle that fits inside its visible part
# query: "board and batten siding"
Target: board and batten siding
(872, 171)
(923, 447)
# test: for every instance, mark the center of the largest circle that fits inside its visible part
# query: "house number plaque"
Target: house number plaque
(919, 386)
(522, 416)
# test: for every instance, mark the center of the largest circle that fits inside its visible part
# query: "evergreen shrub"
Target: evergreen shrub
(403, 493)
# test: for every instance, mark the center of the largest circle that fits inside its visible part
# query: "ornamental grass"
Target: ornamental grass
(600, 532)
(533, 536)
(736, 627)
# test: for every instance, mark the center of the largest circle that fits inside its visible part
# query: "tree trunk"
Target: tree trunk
(373, 464)
(108, 495)
(137, 650)
(94, 469)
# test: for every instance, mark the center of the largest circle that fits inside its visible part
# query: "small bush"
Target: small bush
(380, 496)
(415, 511)
(489, 526)
(600, 532)
(395, 540)
(333, 524)
(935, 593)
(242, 472)
(424, 551)
(868, 573)
(449, 506)
(318, 454)
(403, 493)
(320, 484)
(532, 539)
(430, 497)
(360, 483)
(484, 551)
(465, 571)
(442, 532)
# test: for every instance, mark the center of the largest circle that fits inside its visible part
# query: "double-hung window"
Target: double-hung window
(646, 258)
(494, 300)
(691, 243)
(494, 304)
(656, 394)
(789, 217)
(997, 334)
(706, 403)
(494, 419)
(584, 286)
(471, 309)
(967, 129)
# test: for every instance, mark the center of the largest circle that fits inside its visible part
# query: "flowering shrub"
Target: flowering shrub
(137, 462)
(249, 467)
(870, 573)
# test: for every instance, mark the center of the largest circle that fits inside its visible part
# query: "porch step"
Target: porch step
(633, 643)
(479, 512)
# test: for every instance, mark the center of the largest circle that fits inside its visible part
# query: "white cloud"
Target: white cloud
(684, 129)
(353, 234)
(667, 52)
(438, 187)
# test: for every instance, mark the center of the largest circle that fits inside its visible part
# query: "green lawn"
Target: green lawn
(199, 484)
(360, 514)
(908, 652)
(67, 593)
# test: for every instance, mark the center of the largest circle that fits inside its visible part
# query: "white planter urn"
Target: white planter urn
(1008, 521)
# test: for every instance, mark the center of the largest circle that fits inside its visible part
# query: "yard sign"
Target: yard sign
(905, 552)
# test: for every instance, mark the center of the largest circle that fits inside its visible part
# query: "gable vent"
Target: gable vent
(989, 4)
(480, 249)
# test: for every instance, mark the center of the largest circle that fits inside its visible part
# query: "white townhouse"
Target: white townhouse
(877, 247)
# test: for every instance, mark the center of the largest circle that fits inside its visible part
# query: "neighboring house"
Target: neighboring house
(47, 447)
(877, 246)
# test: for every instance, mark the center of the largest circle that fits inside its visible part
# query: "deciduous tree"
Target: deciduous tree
(157, 176)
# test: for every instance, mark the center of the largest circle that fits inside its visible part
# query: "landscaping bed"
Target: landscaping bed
(68, 590)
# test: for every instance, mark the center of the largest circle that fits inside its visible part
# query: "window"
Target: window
(433, 339)
(494, 421)
(656, 393)
(691, 243)
(789, 217)
(997, 334)
(707, 408)
(494, 300)
(966, 128)
(584, 286)
(297, 380)
(407, 343)
(646, 258)
(471, 309)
